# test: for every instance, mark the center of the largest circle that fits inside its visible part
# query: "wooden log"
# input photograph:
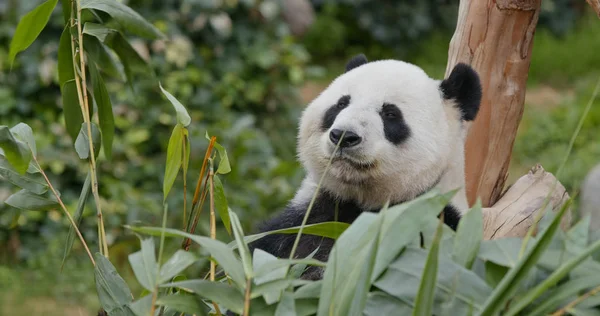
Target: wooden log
(515, 212)
(595, 4)
(495, 37)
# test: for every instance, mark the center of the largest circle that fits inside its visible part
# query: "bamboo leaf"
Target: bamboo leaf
(130, 59)
(105, 112)
(33, 182)
(28, 201)
(71, 109)
(380, 303)
(183, 117)
(221, 204)
(560, 295)
(221, 293)
(97, 30)
(142, 306)
(113, 293)
(85, 193)
(99, 54)
(29, 27)
(16, 152)
(82, 145)
(224, 166)
(468, 236)
(242, 246)
(188, 304)
(177, 263)
(286, 305)
(174, 159)
(426, 293)
(66, 71)
(144, 264)
(325, 229)
(518, 273)
(126, 17)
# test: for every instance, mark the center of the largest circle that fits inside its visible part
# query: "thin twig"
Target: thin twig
(247, 297)
(578, 300)
(64, 208)
(184, 187)
(160, 252)
(213, 225)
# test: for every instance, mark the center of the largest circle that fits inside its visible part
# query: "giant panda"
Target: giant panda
(400, 134)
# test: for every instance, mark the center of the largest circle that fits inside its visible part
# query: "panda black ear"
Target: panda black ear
(356, 61)
(463, 86)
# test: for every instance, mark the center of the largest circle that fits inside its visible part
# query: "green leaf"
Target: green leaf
(177, 263)
(34, 183)
(188, 304)
(85, 193)
(224, 166)
(97, 30)
(310, 290)
(221, 203)
(221, 293)
(518, 273)
(144, 264)
(325, 229)
(105, 112)
(286, 306)
(457, 289)
(82, 144)
(113, 293)
(28, 201)
(66, 9)
(130, 59)
(468, 237)
(66, 71)
(71, 109)
(174, 159)
(99, 54)
(242, 246)
(380, 303)
(143, 306)
(561, 294)
(29, 27)
(183, 117)
(553, 279)
(24, 133)
(217, 249)
(306, 307)
(504, 252)
(17, 152)
(426, 293)
(125, 16)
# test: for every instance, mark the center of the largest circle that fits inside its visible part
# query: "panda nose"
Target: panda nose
(350, 138)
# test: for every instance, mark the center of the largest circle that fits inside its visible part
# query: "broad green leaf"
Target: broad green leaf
(27, 201)
(380, 303)
(512, 280)
(24, 133)
(29, 27)
(174, 158)
(221, 293)
(130, 59)
(561, 294)
(260, 260)
(71, 109)
(177, 263)
(183, 117)
(344, 265)
(552, 280)
(272, 290)
(224, 166)
(142, 306)
(286, 305)
(577, 237)
(113, 293)
(242, 246)
(66, 71)
(577, 311)
(99, 54)
(16, 152)
(66, 10)
(97, 30)
(306, 307)
(457, 289)
(426, 294)
(310, 290)
(126, 17)
(33, 182)
(144, 265)
(105, 112)
(82, 144)
(217, 249)
(504, 251)
(85, 193)
(189, 304)
(298, 269)
(469, 234)
(221, 204)
(271, 266)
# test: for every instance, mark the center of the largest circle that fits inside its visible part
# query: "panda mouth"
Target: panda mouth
(358, 165)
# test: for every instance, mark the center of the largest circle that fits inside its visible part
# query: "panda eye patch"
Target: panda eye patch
(394, 127)
(390, 111)
(334, 110)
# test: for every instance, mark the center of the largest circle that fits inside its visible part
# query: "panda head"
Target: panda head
(398, 130)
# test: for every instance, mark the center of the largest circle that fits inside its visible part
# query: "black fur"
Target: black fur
(464, 87)
(323, 210)
(333, 112)
(394, 127)
(356, 61)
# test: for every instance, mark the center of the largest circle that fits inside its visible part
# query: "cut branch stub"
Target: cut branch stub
(495, 38)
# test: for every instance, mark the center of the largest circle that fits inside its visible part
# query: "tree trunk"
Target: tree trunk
(495, 37)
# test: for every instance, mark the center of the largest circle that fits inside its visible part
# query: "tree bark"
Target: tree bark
(495, 37)
(515, 212)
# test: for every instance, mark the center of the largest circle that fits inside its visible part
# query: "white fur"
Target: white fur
(434, 151)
